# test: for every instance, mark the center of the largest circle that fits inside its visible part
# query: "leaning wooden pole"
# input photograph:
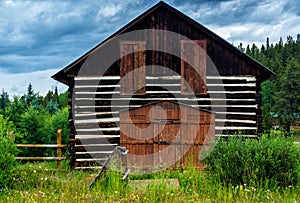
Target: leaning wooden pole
(58, 150)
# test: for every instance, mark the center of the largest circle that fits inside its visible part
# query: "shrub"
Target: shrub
(8, 151)
(270, 161)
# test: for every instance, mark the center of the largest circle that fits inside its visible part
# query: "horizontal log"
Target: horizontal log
(95, 152)
(99, 129)
(162, 99)
(94, 145)
(108, 106)
(235, 121)
(101, 120)
(85, 141)
(236, 113)
(96, 93)
(126, 107)
(91, 156)
(249, 78)
(95, 87)
(166, 92)
(232, 85)
(117, 119)
(174, 77)
(41, 158)
(88, 113)
(90, 160)
(41, 145)
(82, 137)
(97, 78)
(84, 105)
(84, 148)
(225, 106)
(234, 128)
(135, 106)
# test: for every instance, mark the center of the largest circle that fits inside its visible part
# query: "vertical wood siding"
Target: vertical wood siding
(179, 136)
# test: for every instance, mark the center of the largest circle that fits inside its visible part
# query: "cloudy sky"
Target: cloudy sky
(38, 38)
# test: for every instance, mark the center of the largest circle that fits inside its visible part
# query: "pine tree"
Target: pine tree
(268, 43)
(287, 94)
(4, 101)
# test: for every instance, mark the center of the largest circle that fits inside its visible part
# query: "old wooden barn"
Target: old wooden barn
(162, 55)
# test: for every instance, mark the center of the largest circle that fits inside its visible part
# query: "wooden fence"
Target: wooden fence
(58, 147)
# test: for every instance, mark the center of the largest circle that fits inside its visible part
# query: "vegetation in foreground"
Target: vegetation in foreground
(39, 183)
(265, 170)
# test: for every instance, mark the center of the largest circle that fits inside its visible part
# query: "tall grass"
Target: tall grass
(41, 183)
(265, 170)
(271, 161)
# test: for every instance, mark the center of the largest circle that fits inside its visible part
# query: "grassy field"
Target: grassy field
(40, 182)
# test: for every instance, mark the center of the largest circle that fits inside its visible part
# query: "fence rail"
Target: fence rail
(58, 147)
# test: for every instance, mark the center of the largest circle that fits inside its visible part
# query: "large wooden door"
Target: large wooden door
(175, 134)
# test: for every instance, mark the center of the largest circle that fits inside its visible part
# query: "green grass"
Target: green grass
(40, 182)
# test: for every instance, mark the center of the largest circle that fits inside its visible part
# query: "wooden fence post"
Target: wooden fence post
(58, 149)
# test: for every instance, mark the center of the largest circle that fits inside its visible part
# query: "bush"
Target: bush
(8, 150)
(269, 161)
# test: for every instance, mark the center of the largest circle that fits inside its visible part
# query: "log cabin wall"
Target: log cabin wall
(239, 74)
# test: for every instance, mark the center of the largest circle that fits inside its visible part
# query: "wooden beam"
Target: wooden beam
(42, 145)
(41, 158)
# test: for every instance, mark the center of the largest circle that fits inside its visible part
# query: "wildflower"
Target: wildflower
(42, 193)
(34, 171)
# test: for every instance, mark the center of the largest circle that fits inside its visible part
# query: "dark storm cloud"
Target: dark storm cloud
(249, 21)
(234, 11)
(29, 32)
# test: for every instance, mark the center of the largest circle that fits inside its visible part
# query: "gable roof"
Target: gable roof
(62, 75)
